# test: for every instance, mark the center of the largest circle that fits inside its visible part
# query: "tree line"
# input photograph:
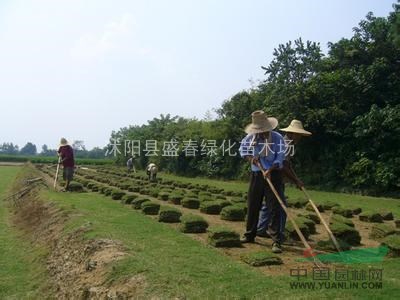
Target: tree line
(348, 98)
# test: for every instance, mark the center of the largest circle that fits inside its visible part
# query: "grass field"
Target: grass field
(21, 273)
(174, 264)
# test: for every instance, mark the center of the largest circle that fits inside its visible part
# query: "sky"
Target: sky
(80, 69)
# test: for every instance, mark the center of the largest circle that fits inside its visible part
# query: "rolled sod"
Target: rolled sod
(127, 199)
(137, 203)
(150, 208)
(393, 243)
(233, 213)
(345, 212)
(192, 203)
(372, 217)
(193, 224)
(261, 258)
(340, 219)
(117, 194)
(380, 231)
(210, 207)
(169, 215)
(223, 237)
(346, 233)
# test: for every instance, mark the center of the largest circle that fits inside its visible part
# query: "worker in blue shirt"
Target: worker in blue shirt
(264, 148)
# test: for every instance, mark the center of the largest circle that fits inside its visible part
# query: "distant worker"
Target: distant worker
(66, 154)
(130, 165)
(151, 171)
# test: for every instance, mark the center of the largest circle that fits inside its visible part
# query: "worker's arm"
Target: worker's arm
(289, 173)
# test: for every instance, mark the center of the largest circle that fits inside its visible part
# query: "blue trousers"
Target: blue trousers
(263, 220)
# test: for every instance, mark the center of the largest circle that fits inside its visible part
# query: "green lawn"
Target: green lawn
(21, 273)
(172, 263)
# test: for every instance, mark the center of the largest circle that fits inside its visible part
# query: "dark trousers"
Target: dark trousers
(258, 189)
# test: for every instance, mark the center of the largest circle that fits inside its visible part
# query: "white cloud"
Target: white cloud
(115, 36)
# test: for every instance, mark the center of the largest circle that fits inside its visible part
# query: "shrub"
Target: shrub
(372, 217)
(127, 199)
(233, 213)
(169, 215)
(190, 203)
(261, 258)
(223, 237)
(150, 208)
(346, 233)
(210, 207)
(136, 203)
(193, 224)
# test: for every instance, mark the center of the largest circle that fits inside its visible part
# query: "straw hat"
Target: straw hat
(260, 123)
(296, 127)
(63, 142)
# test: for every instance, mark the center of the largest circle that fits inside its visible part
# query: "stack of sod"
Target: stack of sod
(320, 207)
(210, 207)
(297, 203)
(393, 243)
(242, 206)
(386, 215)
(372, 217)
(223, 237)
(345, 212)
(117, 194)
(169, 215)
(328, 245)
(238, 200)
(329, 205)
(261, 258)
(163, 195)
(397, 223)
(341, 219)
(150, 208)
(137, 203)
(310, 223)
(134, 188)
(233, 213)
(311, 216)
(78, 187)
(346, 233)
(380, 231)
(175, 198)
(291, 232)
(154, 192)
(355, 210)
(190, 203)
(127, 199)
(193, 224)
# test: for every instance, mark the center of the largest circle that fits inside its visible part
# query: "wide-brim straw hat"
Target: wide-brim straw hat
(63, 142)
(261, 123)
(296, 127)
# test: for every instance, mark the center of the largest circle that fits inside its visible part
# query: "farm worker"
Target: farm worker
(294, 133)
(130, 164)
(66, 153)
(263, 146)
(151, 171)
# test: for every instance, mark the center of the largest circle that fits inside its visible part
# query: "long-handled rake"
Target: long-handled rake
(335, 242)
(58, 169)
(308, 250)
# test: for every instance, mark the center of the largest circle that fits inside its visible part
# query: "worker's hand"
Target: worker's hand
(267, 174)
(255, 160)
